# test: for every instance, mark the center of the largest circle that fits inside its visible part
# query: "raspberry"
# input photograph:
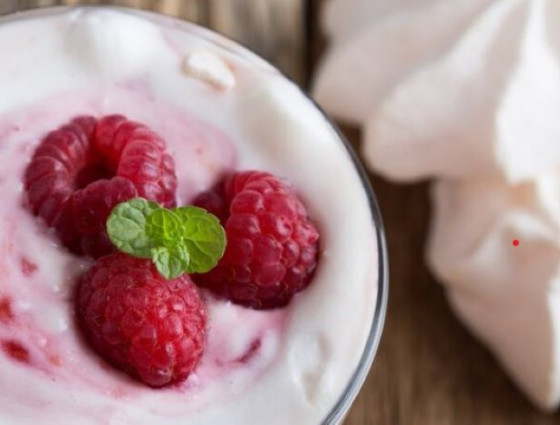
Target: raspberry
(82, 170)
(151, 328)
(272, 246)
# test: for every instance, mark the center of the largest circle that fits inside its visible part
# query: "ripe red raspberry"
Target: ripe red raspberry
(272, 246)
(82, 170)
(149, 327)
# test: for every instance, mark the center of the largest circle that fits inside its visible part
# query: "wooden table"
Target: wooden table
(429, 370)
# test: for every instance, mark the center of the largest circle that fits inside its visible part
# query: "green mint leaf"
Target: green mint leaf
(182, 240)
(203, 237)
(126, 227)
(163, 228)
(171, 262)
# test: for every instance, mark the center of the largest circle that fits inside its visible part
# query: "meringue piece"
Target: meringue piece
(208, 67)
(367, 60)
(489, 106)
(509, 296)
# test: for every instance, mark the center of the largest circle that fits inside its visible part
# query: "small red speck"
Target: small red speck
(250, 353)
(515, 242)
(27, 267)
(55, 360)
(16, 351)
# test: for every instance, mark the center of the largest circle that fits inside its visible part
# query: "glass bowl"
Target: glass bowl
(340, 409)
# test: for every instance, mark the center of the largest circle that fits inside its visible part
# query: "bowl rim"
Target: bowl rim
(342, 406)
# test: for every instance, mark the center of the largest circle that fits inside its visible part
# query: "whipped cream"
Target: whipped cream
(286, 366)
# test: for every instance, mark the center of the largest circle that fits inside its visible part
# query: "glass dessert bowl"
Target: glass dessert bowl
(219, 109)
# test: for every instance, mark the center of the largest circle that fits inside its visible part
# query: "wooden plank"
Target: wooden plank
(192, 10)
(10, 6)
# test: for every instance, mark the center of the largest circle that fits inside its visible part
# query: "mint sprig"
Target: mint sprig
(179, 240)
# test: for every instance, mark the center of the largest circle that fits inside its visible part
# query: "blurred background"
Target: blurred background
(429, 370)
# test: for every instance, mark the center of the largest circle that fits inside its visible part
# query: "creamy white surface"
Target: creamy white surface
(107, 61)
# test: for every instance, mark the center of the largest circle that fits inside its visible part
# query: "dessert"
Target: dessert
(497, 248)
(496, 62)
(280, 365)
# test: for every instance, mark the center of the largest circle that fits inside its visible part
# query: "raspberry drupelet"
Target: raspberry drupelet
(272, 246)
(80, 171)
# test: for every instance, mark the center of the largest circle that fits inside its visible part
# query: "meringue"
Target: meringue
(450, 88)
(468, 92)
(509, 296)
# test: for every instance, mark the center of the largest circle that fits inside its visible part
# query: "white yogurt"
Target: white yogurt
(222, 110)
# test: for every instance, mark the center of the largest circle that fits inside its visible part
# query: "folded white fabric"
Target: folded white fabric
(468, 92)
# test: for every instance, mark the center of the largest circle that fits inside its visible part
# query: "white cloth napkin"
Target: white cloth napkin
(468, 92)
